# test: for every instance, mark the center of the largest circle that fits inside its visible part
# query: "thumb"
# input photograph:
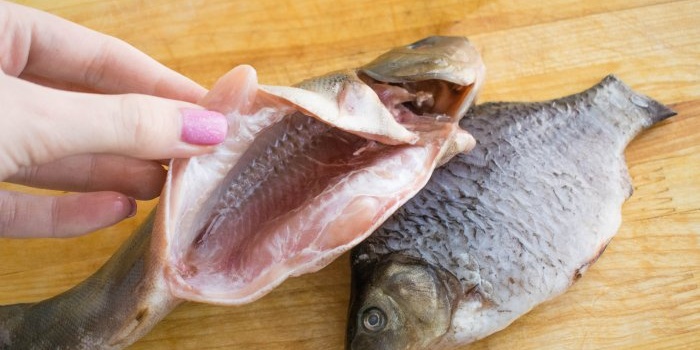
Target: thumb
(43, 124)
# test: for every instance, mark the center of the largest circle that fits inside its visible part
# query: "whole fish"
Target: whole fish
(305, 173)
(504, 228)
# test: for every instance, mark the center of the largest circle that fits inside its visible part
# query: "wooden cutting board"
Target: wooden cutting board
(643, 293)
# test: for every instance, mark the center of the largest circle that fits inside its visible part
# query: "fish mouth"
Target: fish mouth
(446, 70)
(289, 190)
(422, 102)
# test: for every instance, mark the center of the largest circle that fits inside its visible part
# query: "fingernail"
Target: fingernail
(132, 213)
(203, 127)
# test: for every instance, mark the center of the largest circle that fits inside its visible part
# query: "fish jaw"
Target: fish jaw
(234, 224)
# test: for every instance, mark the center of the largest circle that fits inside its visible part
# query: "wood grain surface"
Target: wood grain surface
(643, 292)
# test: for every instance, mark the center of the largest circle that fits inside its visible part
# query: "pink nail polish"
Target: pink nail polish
(132, 213)
(203, 127)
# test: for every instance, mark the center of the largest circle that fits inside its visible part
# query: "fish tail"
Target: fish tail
(109, 310)
(642, 111)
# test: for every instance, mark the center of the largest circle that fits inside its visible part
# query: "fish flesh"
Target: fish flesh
(305, 174)
(499, 230)
(288, 193)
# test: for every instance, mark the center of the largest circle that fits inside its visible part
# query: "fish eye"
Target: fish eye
(373, 319)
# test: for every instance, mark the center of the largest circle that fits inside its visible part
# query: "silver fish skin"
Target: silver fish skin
(504, 228)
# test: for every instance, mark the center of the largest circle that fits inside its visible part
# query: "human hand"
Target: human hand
(78, 115)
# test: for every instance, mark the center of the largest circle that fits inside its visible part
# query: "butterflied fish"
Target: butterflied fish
(504, 228)
(306, 173)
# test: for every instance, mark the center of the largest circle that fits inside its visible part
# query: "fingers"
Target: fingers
(135, 178)
(29, 216)
(61, 85)
(69, 123)
(44, 47)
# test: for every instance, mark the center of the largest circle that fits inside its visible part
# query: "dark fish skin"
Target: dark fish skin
(117, 300)
(503, 228)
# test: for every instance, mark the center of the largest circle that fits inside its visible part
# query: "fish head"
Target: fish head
(399, 302)
(448, 70)
(407, 95)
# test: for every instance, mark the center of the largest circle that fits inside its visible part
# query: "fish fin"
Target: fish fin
(235, 91)
(655, 111)
(462, 142)
(626, 110)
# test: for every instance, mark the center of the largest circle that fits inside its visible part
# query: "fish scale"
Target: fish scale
(505, 227)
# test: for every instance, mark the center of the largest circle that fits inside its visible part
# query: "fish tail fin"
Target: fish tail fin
(110, 309)
(625, 111)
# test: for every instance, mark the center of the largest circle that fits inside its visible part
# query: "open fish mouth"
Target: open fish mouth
(308, 172)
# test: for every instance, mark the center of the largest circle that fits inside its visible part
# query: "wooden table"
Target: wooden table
(643, 292)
